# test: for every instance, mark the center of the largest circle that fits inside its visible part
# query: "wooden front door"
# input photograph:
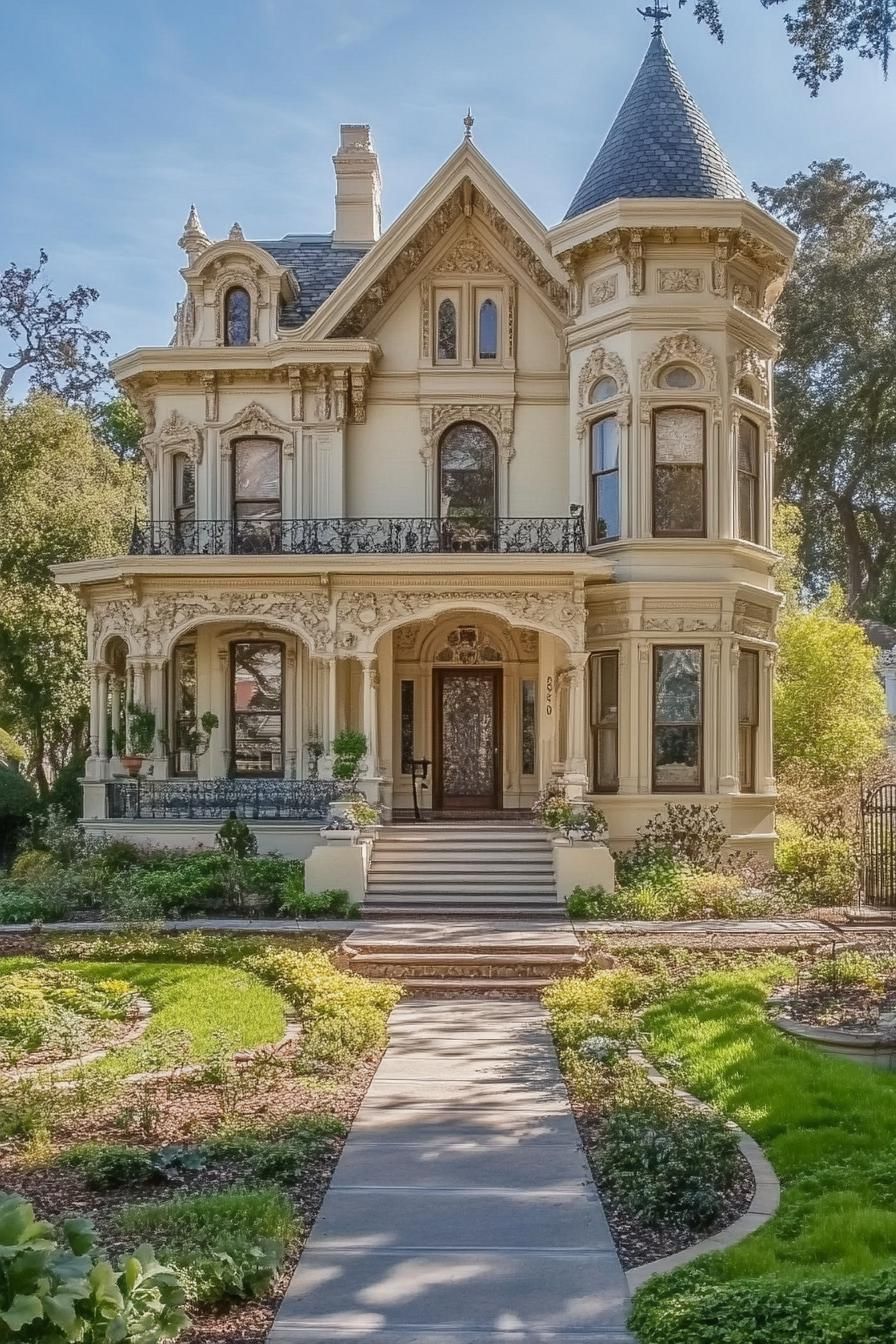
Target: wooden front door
(468, 756)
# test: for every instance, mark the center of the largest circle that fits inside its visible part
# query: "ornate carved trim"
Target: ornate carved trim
(360, 379)
(468, 256)
(152, 627)
(435, 419)
(749, 363)
(686, 348)
(602, 363)
(177, 434)
(679, 280)
(256, 420)
(226, 276)
(603, 290)
(363, 617)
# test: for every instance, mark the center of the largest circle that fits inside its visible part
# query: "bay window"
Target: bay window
(679, 462)
(605, 480)
(677, 719)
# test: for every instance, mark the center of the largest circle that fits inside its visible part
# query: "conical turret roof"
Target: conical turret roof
(659, 145)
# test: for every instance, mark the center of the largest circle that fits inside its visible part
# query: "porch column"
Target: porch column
(158, 706)
(328, 724)
(576, 769)
(103, 726)
(94, 766)
(369, 711)
(765, 765)
(138, 681)
(729, 780)
(116, 714)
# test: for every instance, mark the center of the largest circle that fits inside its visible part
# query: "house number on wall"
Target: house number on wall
(549, 697)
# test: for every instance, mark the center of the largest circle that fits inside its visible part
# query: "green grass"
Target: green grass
(201, 999)
(829, 1129)
(222, 1246)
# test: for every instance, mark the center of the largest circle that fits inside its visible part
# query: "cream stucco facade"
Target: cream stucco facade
(648, 316)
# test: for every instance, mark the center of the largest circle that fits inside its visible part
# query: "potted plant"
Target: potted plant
(315, 749)
(195, 739)
(363, 816)
(141, 734)
(349, 750)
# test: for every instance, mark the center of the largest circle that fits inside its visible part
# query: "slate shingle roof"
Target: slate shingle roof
(317, 265)
(659, 145)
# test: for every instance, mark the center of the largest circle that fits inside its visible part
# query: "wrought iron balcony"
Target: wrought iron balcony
(365, 536)
(216, 799)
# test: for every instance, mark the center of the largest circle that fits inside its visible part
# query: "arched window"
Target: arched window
(488, 329)
(446, 344)
(468, 485)
(679, 454)
(748, 481)
(603, 390)
(605, 480)
(237, 316)
(678, 376)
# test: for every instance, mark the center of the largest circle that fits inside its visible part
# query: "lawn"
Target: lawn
(823, 1271)
(203, 1000)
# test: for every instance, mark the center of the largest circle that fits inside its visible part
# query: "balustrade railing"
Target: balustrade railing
(216, 799)
(364, 536)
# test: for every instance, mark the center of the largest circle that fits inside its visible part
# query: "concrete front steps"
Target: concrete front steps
(442, 868)
(471, 956)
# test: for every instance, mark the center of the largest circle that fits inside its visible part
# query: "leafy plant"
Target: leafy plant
(141, 729)
(687, 832)
(814, 870)
(221, 1246)
(195, 739)
(279, 1153)
(349, 749)
(362, 814)
(106, 1165)
(54, 1286)
(848, 968)
(318, 904)
(236, 838)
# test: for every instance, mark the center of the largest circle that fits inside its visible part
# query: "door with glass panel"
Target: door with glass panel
(256, 708)
(468, 753)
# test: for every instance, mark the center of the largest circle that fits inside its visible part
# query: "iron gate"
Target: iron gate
(878, 875)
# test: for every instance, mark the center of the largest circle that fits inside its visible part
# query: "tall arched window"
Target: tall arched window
(488, 329)
(237, 316)
(605, 480)
(679, 456)
(446, 328)
(748, 481)
(468, 483)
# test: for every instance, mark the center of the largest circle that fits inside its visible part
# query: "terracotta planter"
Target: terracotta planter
(133, 764)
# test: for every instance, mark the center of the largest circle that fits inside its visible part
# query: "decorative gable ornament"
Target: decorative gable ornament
(748, 363)
(177, 434)
(468, 256)
(602, 363)
(684, 348)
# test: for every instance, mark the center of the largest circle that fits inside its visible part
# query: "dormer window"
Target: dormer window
(446, 331)
(679, 377)
(237, 316)
(603, 390)
(488, 329)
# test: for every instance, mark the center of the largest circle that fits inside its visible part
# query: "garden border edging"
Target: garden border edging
(764, 1204)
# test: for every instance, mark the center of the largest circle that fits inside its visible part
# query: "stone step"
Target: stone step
(448, 908)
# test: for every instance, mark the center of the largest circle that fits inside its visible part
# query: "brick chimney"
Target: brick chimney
(358, 187)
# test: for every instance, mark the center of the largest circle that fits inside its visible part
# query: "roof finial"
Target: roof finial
(659, 14)
(194, 239)
(468, 125)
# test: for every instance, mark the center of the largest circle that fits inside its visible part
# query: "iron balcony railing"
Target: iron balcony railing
(217, 799)
(364, 536)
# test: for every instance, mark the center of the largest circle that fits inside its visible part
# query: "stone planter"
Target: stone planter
(582, 863)
(871, 1048)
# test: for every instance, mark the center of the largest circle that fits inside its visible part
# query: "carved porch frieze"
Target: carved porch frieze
(603, 290)
(361, 617)
(679, 280)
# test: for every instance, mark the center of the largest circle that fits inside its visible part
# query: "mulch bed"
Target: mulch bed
(853, 1006)
(638, 1244)
(186, 1111)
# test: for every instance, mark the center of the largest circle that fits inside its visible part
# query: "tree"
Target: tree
(821, 31)
(118, 425)
(47, 336)
(63, 496)
(830, 712)
(836, 381)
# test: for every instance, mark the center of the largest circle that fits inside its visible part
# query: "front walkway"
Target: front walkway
(462, 1210)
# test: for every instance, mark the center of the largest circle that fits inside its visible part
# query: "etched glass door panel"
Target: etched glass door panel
(469, 739)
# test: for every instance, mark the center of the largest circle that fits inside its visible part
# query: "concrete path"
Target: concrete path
(462, 1210)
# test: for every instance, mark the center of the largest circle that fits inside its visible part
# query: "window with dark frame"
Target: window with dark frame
(605, 480)
(604, 701)
(468, 475)
(407, 726)
(748, 480)
(184, 494)
(677, 719)
(184, 708)
(256, 493)
(446, 330)
(679, 461)
(747, 717)
(256, 702)
(528, 733)
(488, 329)
(237, 316)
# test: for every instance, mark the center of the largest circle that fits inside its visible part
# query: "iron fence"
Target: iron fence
(217, 799)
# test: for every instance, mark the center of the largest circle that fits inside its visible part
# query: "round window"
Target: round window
(603, 389)
(678, 376)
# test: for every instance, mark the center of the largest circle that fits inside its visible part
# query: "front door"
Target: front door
(468, 761)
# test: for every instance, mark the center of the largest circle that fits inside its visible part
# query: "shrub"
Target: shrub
(31, 863)
(594, 903)
(668, 1164)
(27, 905)
(848, 968)
(689, 832)
(55, 1287)
(318, 904)
(349, 748)
(105, 1165)
(18, 800)
(813, 869)
(44, 1009)
(280, 1153)
(603, 1005)
(236, 838)
(221, 1246)
(343, 1015)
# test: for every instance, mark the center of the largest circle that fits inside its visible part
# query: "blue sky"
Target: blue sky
(116, 116)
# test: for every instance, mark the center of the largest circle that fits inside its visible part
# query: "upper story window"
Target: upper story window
(603, 390)
(488, 329)
(468, 475)
(446, 330)
(256, 492)
(605, 480)
(679, 377)
(237, 316)
(679, 464)
(748, 481)
(184, 488)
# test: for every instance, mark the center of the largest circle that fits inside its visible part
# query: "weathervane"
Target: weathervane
(468, 125)
(659, 14)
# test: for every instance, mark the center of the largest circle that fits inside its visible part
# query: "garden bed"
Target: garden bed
(216, 1156)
